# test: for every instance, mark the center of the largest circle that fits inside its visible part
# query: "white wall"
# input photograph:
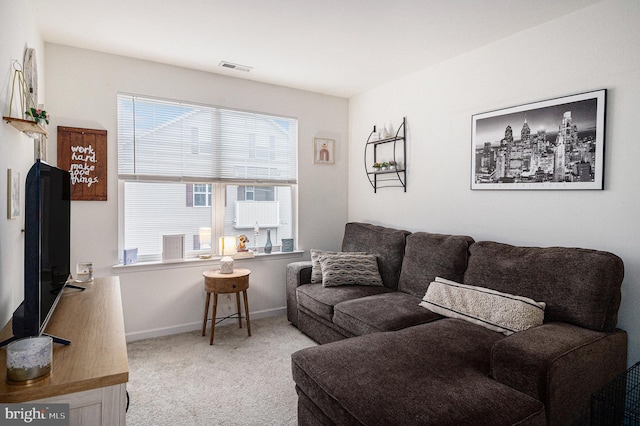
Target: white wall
(81, 92)
(17, 32)
(592, 49)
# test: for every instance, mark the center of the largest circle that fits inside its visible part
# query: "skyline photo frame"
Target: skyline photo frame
(324, 151)
(551, 144)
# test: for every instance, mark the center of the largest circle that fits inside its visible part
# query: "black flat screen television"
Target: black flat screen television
(47, 268)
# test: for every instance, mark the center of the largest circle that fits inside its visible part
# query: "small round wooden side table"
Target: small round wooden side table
(217, 283)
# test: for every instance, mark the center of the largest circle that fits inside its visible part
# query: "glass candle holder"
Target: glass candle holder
(29, 359)
(84, 272)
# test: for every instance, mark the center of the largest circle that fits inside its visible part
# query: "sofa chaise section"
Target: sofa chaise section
(430, 374)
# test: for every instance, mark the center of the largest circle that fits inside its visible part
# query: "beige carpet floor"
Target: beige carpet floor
(240, 380)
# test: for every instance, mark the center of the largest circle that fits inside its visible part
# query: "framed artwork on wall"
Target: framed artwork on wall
(552, 144)
(83, 152)
(324, 151)
(13, 194)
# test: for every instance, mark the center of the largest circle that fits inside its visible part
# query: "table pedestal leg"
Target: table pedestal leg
(206, 313)
(238, 310)
(246, 310)
(213, 321)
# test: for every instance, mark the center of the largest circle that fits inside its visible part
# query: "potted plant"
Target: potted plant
(376, 167)
(38, 115)
(385, 165)
(392, 165)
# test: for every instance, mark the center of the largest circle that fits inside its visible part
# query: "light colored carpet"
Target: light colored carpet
(240, 380)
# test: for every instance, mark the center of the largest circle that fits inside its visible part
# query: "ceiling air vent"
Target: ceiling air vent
(236, 67)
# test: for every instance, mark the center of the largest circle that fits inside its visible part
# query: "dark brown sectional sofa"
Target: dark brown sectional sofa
(385, 360)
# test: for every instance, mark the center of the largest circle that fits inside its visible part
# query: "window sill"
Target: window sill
(197, 262)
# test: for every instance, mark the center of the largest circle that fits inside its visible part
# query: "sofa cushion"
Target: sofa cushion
(319, 329)
(386, 243)
(381, 312)
(349, 269)
(432, 374)
(502, 312)
(321, 300)
(579, 286)
(428, 256)
(316, 269)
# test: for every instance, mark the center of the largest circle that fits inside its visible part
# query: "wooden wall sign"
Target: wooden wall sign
(83, 152)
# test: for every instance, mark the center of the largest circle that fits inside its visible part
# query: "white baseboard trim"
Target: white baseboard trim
(185, 328)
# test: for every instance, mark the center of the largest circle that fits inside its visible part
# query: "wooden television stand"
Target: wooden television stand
(91, 373)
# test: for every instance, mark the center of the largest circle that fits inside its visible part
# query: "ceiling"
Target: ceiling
(335, 47)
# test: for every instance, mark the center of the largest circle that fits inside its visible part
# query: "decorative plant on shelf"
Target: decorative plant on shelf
(392, 165)
(38, 115)
(385, 165)
(376, 167)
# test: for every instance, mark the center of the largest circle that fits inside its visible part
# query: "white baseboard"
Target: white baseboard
(185, 328)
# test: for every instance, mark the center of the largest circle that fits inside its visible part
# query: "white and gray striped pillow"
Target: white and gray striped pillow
(350, 269)
(502, 312)
(316, 270)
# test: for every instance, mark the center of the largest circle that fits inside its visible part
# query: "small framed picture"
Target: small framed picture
(287, 244)
(324, 151)
(173, 247)
(13, 194)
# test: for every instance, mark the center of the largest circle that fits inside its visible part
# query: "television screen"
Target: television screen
(47, 242)
(55, 207)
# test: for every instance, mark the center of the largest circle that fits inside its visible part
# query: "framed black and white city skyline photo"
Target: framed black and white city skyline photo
(551, 144)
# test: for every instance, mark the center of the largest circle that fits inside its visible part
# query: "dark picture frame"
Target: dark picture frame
(552, 144)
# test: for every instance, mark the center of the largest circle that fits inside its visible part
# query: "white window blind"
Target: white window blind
(176, 141)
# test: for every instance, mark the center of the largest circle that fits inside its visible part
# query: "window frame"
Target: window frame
(216, 199)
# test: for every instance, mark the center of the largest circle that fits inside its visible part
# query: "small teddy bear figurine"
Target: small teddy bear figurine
(242, 244)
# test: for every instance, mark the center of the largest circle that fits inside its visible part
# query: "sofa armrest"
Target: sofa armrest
(298, 273)
(561, 365)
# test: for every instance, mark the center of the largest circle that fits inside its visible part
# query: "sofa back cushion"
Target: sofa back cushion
(579, 286)
(428, 256)
(386, 243)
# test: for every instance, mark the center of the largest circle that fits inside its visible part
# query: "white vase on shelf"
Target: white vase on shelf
(384, 133)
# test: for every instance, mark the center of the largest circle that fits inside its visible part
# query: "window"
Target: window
(202, 195)
(203, 171)
(248, 192)
(252, 193)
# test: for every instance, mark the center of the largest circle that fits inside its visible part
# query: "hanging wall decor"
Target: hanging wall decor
(32, 118)
(552, 144)
(83, 152)
(13, 194)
